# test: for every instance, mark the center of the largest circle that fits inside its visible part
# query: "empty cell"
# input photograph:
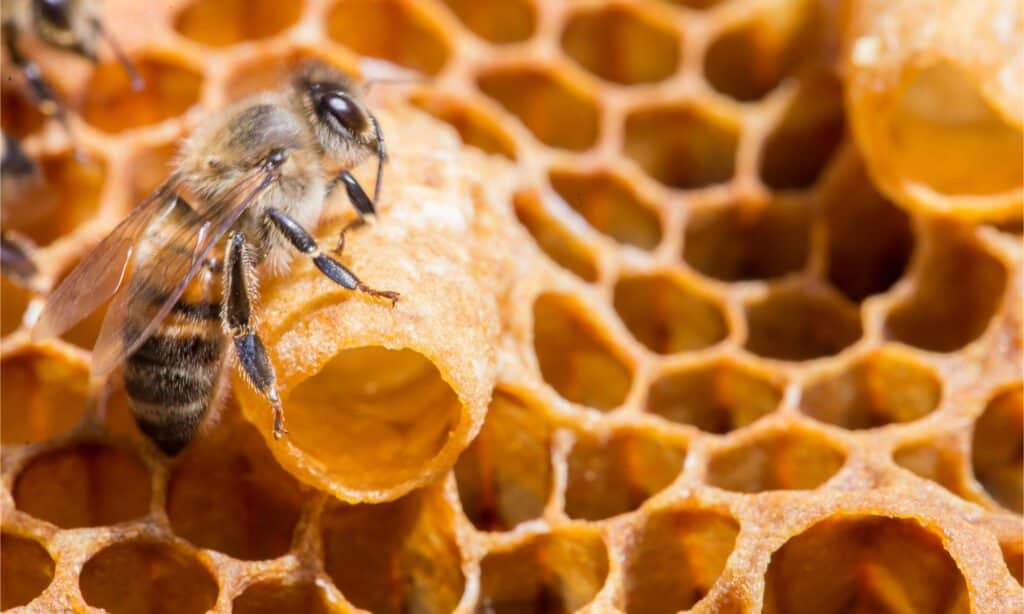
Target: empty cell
(274, 597)
(681, 146)
(475, 126)
(138, 576)
(505, 476)
(997, 448)
(64, 196)
(614, 473)
(558, 112)
(801, 145)
(798, 323)
(393, 30)
(399, 556)
(667, 315)
(675, 557)
(498, 21)
(862, 264)
(110, 104)
(574, 358)
(938, 460)
(563, 247)
(396, 415)
(883, 388)
(555, 573)
(221, 23)
(864, 564)
(716, 398)
(227, 493)
(750, 60)
(43, 396)
(619, 43)
(610, 206)
(26, 572)
(744, 240)
(957, 291)
(84, 486)
(795, 460)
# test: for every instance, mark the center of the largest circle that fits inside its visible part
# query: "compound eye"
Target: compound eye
(344, 110)
(56, 12)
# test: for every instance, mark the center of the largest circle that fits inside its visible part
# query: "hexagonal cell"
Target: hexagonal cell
(621, 44)
(997, 448)
(1013, 556)
(14, 301)
(555, 110)
(274, 597)
(716, 398)
(392, 30)
(615, 473)
(555, 573)
(19, 114)
(809, 132)
(26, 572)
(399, 556)
(475, 127)
(110, 104)
(505, 476)
(741, 241)
(227, 493)
(498, 21)
(879, 389)
(67, 195)
(957, 291)
(861, 264)
(142, 576)
(682, 146)
(800, 323)
(795, 460)
(675, 557)
(864, 564)
(88, 485)
(553, 239)
(575, 359)
(750, 60)
(397, 414)
(44, 396)
(938, 460)
(221, 23)
(666, 315)
(610, 205)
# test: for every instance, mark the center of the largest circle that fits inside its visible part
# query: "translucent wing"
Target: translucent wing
(98, 276)
(172, 260)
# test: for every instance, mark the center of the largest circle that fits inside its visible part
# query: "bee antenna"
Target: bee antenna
(382, 156)
(133, 74)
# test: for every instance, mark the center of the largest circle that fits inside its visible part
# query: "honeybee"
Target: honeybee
(72, 25)
(182, 267)
(16, 169)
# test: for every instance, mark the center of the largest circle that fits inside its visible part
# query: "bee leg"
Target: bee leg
(239, 292)
(43, 92)
(337, 272)
(15, 257)
(360, 202)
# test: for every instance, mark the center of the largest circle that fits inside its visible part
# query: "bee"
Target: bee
(16, 170)
(71, 25)
(182, 268)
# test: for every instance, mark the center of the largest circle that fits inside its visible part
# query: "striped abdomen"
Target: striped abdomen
(171, 378)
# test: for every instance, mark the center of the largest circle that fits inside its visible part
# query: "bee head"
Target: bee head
(69, 24)
(345, 129)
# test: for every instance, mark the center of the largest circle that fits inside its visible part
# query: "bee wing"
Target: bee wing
(170, 270)
(98, 276)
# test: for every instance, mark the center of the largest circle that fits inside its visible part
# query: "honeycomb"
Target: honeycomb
(672, 335)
